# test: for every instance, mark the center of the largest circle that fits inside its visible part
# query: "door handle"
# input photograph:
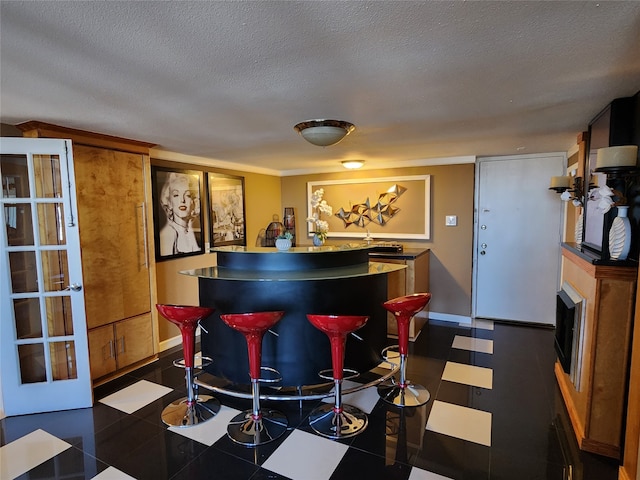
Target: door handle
(483, 252)
(74, 287)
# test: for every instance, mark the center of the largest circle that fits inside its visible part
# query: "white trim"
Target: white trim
(422, 162)
(173, 342)
(160, 154)
(447, 317)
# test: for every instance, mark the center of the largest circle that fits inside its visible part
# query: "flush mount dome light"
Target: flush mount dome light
(352, 164)
(324, 132)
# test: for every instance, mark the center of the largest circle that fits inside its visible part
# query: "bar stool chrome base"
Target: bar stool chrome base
(412, 395)
(182, 413)
(325, 421)
(243, 429)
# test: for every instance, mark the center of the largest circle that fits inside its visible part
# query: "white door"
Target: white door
(517, 240)
(43, 337)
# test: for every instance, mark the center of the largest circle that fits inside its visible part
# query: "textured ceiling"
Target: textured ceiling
(229, 80)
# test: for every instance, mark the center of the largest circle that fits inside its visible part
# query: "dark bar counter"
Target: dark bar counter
(324, 280)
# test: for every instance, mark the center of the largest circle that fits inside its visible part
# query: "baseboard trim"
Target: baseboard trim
(173, 342)
(447, 317)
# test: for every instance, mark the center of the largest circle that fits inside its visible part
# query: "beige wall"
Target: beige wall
(262, 201)
(452, 193)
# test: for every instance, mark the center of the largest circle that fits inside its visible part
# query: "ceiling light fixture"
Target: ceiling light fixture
(352, 164)
(324, 132)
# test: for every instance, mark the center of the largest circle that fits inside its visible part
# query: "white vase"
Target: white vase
(283, 244)
(578, 230)
(620, 235)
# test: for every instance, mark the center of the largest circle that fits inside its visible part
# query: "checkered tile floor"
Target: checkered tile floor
(494, 413)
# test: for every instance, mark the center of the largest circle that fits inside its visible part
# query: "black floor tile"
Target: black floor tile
(531, 434)
(214, 463)
(70, 464)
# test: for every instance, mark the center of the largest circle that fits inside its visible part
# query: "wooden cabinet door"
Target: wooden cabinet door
(134, 340)
(102, 351)
(396, 281)
(110, 188)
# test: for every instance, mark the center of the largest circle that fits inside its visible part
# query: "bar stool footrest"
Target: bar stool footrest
(204, 362)
(392, 352)
(270, 380)
(349, 374)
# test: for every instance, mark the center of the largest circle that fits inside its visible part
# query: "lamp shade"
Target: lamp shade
(559, 182)
(324, 132)
(616, 157)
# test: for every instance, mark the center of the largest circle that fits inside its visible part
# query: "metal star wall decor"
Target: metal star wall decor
(361, 214)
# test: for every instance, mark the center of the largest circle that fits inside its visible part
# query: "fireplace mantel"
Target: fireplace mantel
(597, 409)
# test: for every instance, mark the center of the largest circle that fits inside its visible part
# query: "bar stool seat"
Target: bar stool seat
(256, 426)
(338, 420)
(404, 393)
(192, 409)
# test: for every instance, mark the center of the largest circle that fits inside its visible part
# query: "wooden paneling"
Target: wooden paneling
(110, 210)
(113, 190)
(630, 470)
(597, 409)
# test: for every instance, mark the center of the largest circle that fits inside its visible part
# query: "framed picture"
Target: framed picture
(387, 207)
(177, 214)
(226, 210)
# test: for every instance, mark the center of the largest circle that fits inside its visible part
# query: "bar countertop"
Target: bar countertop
(405, 254)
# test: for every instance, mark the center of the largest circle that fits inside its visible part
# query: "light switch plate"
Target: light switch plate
(451, 220)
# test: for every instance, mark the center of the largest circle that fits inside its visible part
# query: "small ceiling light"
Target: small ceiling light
(352, 164)
(324, 132)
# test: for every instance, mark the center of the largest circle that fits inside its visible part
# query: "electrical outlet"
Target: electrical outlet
(451, 220)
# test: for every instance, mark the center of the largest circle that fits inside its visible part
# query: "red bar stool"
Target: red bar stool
(192, 409)
(404, 393)
(256, 426)
(338, 420)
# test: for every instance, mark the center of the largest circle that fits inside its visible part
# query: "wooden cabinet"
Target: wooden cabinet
(413, 279)
(630, 468)
(118, 345)
(596, 408)
(111, 212)
(112, 188)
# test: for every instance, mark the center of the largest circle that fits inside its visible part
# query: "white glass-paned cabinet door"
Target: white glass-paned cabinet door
(43, 335)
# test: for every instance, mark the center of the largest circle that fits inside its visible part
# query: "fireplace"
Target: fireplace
(568, 339)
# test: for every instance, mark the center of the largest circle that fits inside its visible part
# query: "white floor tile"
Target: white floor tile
(211, 431)
(364, 399)
(468, 375)
(136, 396)
(25, 453)
(112, 473)
(419, 474)
(306, 456)
(479, 323)
(473, 344)
(460, 422)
